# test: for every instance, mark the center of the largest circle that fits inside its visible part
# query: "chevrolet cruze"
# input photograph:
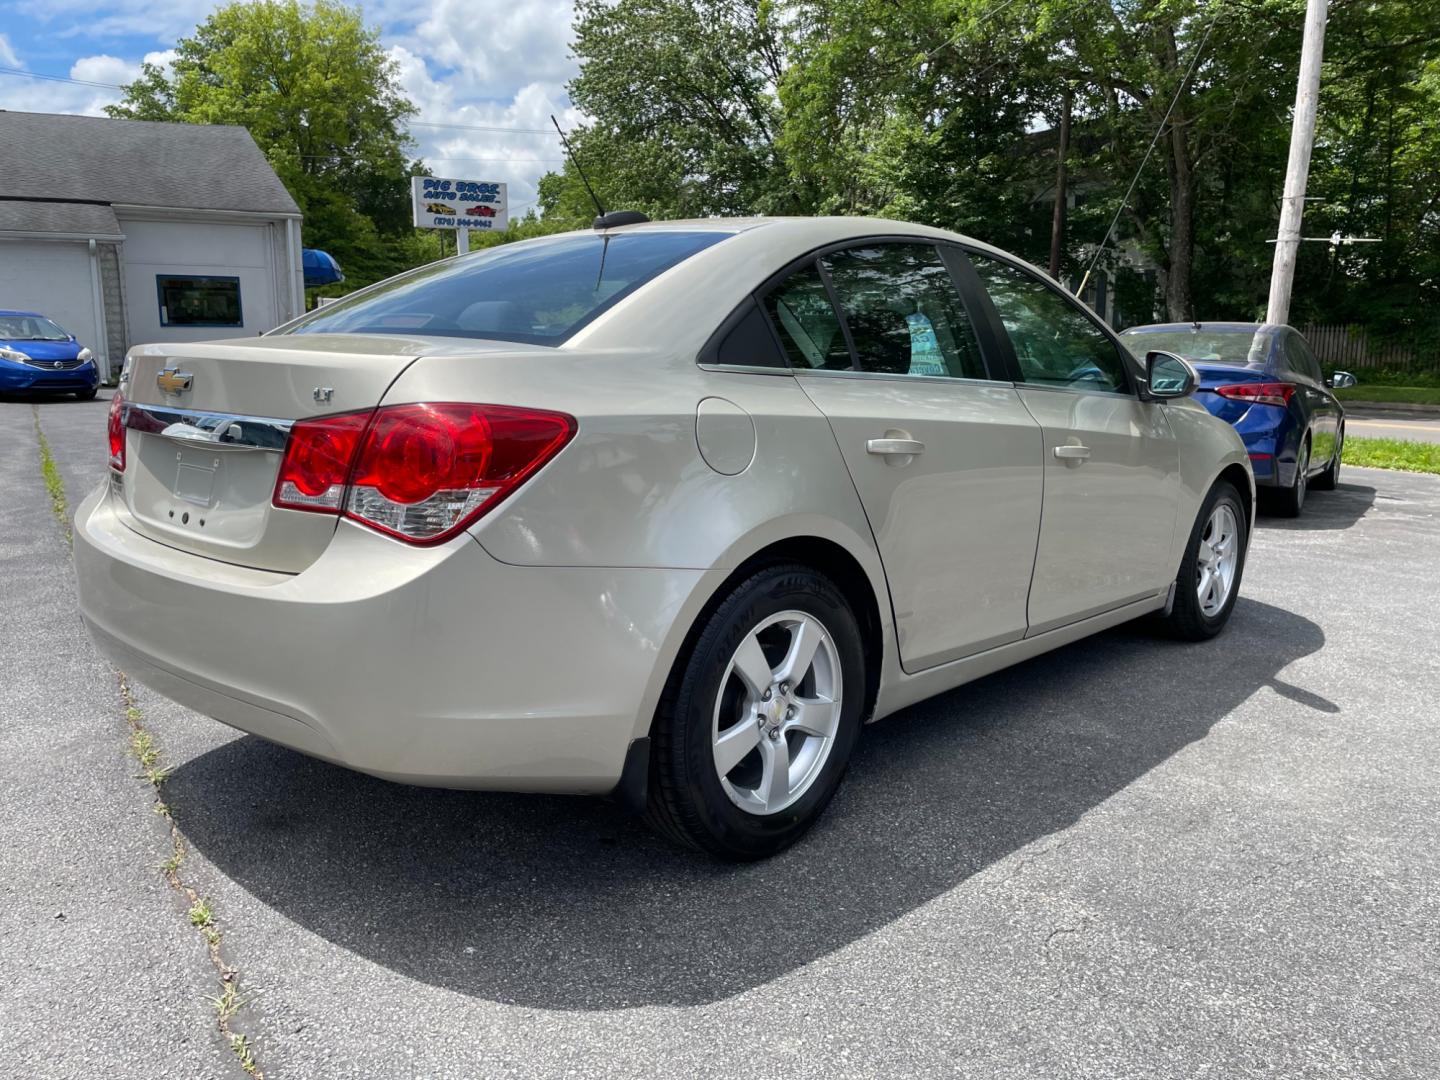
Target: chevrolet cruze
(667, 511)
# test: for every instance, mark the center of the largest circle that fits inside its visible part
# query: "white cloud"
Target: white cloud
(8, 57)
(44, 95)
(514, 44)
(519, 158)
(117, 18)
(506, 69)
(105, 69)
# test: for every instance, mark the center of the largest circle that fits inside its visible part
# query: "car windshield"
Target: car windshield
(538, 291)
(30, 328)
(1241, 347)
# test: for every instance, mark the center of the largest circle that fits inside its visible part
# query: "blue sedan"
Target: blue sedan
(1264, 380)
(36, 355)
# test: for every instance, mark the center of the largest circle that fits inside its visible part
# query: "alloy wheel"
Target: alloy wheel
(1217, 560)
(777, 712)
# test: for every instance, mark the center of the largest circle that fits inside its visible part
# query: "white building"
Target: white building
(127, 231)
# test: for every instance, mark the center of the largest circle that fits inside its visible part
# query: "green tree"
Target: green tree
(314, 88)
(683, 114)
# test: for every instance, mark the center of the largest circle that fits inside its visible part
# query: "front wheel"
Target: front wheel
(1209, 579)
(754, 734)
(85, 395)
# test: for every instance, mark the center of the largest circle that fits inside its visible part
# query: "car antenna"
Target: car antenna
(602, 219)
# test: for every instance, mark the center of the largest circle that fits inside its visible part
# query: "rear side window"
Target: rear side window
(806, 322)
(904, 314)
(536, 291)
(1300, 359)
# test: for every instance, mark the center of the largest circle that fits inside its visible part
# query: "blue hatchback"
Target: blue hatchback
(1264, 380)
(36, 355)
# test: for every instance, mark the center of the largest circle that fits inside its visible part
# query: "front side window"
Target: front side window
(904, 314)
(1056, 343)
(803, 316)
(536, 291)
(199, 301)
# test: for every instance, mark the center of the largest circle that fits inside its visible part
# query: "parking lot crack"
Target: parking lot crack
(229, 1002)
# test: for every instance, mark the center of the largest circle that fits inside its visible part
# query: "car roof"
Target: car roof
(726, 273)
(813, 229)
(31, 314)
(1180, 327)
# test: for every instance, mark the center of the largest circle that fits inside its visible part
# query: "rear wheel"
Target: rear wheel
(1329, 480)
(755, 732)
(1210, 572)
(1290, 501)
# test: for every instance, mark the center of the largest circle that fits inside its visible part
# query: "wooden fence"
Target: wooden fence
(1351, 347)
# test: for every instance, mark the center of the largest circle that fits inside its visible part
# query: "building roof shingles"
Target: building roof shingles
(136, 162)
(74, 219)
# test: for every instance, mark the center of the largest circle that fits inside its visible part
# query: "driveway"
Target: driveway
(1129, 858)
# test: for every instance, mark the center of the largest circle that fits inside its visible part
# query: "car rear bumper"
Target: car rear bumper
(439, 666)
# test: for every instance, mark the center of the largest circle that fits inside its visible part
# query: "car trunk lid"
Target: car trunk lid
(207, 425)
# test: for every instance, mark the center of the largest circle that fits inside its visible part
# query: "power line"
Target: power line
(480, 127)
(58, 78)
(1146, 159)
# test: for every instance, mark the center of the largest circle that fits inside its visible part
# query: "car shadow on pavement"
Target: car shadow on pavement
(569, 903)
(1338, 509)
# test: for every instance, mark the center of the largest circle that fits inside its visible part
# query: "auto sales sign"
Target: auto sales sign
(459, 204)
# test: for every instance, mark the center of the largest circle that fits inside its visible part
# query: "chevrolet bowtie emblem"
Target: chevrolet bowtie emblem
(173, 380)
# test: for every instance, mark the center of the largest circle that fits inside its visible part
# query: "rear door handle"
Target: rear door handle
(1072, 453)
(891, 447)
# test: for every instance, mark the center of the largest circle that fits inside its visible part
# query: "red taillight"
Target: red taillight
(317, 462)
(1259, 393)
(418, 472)
(115, 427)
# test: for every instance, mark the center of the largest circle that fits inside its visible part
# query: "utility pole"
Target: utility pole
(1297, 172)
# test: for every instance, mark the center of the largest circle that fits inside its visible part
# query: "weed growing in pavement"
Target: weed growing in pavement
(54, 482)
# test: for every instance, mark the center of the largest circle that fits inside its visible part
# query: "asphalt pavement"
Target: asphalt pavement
(1128, 858)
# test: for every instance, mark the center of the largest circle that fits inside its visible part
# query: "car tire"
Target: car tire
(714, 712)
(1291, 500)
(85, 395)
(1329, 480)
(1196, 614)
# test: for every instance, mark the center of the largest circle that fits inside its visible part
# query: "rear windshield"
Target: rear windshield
(537, 291)
(1212, 346)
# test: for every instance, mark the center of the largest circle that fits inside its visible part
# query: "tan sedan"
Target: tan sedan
(668, 510)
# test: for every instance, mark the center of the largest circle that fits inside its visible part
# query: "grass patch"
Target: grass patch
(1391, 395)
(200, 914)
(1392, 454)
(241, 1047)
(54, 482)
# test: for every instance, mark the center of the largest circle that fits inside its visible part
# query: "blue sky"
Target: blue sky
(488, 64)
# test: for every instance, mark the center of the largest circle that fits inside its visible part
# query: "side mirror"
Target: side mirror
(1168, 376)
(1341, 380)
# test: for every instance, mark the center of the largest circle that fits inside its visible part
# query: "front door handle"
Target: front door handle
(894, 447)
(1072, 452)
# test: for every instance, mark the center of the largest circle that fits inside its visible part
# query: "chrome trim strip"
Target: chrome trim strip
(217, 430)
(889, 376)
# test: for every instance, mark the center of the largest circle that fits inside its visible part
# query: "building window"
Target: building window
(199, 301)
